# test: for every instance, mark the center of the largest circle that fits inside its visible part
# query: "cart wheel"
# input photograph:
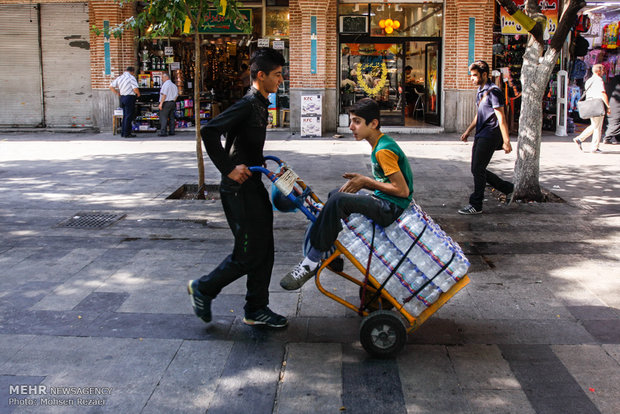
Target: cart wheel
(383, 334)
(377, 304)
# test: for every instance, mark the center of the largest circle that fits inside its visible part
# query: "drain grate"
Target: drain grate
(91, 220)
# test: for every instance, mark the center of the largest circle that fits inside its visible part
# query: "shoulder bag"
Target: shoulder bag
(591, 108)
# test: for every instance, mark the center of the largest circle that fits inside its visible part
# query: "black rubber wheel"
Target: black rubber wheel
(377, 304)
(383, 334)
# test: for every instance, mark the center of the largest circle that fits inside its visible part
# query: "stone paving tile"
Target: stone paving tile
(547, 382)
(250, 376)
(384, 393)
(97, 362)
(10, 401)
(312, 378)
(481, 367)
(188, 384)
(429, 381)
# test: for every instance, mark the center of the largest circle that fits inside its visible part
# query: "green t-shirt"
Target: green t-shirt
(387, 143)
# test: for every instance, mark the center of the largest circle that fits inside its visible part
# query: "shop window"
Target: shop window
(372, 70)
(276, 22)
(406, 20)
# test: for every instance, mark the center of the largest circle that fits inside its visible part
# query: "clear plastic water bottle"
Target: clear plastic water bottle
(459, 266)
(429, 294)
(444, 281)
(415, 306)
(396, 289)
(412, 276)
(359, 250)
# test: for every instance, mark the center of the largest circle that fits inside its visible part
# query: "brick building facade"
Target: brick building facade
(455, 96)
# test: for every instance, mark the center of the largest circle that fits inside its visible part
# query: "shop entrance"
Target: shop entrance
(401, 75)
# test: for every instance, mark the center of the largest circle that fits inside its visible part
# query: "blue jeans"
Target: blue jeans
(128, 103)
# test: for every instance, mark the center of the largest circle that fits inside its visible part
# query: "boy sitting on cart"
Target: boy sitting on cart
(392, 184)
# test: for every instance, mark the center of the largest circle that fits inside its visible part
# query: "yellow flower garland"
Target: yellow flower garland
(361, 82)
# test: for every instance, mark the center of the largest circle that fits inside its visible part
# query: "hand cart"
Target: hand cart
(385, 323)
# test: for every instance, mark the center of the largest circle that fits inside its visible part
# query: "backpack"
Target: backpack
(583, 23)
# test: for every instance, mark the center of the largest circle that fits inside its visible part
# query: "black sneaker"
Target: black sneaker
(469, 210)
(265, 316)
(201, 303)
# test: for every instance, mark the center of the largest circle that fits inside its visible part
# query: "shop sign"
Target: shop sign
(278, 44)
(263, 42)
(548, 7)
(175, 66)
(311, 110)
(168, 51)
(214, 23)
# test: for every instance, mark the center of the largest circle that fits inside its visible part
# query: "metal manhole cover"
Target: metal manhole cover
(93, 220)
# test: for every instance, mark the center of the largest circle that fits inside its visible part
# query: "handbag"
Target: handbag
(591, 108)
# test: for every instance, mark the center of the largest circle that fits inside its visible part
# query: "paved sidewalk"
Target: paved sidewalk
(98, 320)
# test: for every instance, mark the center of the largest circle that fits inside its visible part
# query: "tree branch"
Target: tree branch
(566, 22)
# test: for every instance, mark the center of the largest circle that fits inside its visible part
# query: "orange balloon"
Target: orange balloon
(396, 24)
(389, 23)
(389, 30)
(382, 23)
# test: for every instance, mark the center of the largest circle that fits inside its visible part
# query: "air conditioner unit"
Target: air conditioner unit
(354, 24)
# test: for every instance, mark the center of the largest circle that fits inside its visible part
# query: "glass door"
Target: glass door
(372, 70)
(433, 87)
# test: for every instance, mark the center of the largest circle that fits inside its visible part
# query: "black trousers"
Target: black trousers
(481, 154)
(128, 103)
(167, 118)
(250, 217)
(325, 229)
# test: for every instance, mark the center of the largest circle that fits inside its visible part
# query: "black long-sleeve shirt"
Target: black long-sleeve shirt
(244, 124)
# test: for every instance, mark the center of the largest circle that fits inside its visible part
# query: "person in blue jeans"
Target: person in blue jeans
(392, 186)
(491, 135)
(244, 198)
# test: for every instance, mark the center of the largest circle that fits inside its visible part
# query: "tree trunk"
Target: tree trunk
(199, 156)
(535, 75)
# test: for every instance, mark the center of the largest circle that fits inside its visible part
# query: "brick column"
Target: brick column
(122, 54)
(324, 81)
(458, 92)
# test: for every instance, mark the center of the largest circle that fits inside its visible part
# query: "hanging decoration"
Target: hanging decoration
(389, 25)
(362, 82)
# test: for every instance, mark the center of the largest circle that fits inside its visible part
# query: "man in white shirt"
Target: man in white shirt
(594, 88)
(167, 96)
(126, 87)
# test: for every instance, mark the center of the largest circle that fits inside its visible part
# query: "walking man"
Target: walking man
(167, 104)
(126, 87)
(594, 89)
(491, 135)
(244, 198)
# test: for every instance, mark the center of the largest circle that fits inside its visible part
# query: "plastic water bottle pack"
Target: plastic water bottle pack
(413, 258)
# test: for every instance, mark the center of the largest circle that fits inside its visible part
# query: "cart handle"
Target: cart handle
(298, 200)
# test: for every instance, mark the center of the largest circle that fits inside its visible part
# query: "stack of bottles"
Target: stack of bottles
(413, 259)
